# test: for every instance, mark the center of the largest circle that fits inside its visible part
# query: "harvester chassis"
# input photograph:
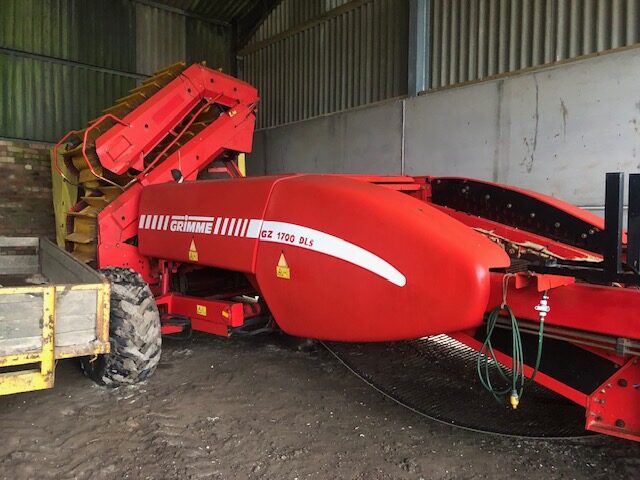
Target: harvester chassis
(146, 206)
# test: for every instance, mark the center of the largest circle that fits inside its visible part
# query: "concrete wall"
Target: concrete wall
(555, 130)
(364, 140)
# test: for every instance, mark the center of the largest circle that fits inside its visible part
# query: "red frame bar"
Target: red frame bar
(610, 409)
(210, 316)
(599, 309)
(55, 156)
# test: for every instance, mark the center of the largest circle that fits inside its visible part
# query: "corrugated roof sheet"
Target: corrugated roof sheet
(224, 10)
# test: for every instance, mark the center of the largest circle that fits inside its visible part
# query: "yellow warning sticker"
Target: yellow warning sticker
(193, 252)
(201, 309)
(282, 269)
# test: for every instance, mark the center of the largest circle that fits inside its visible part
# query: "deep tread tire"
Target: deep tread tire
(134, 332)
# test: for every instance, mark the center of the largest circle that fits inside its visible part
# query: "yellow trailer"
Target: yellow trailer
(51, 307)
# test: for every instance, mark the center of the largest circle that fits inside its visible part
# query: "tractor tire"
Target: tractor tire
(134, 333)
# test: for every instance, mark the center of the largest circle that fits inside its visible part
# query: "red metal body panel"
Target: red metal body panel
(410, 235)
(375, 257)
(220, 207)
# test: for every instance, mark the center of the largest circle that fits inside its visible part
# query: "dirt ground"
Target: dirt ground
(256, 408)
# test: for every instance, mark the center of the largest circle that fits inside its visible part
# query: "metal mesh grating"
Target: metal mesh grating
(436, 377)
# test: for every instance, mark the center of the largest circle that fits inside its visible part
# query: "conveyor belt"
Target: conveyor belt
(81, 235)
(436, 377)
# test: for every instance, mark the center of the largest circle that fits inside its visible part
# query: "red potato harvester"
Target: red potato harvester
(544, 288)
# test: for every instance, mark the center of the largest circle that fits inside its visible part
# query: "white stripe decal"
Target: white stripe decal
(217, 227)
(224, 226)
(317, 241)
(231, 224)
(147, 222)
(166, 222)
(254, 228)
(238, 225)
(141, 222)
(243, 231)
(154, 221)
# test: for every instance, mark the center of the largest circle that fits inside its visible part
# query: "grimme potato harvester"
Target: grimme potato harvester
(345, 257)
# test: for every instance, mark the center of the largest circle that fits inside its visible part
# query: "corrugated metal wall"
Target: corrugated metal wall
(321, 56)
(160, 38)
(289, 14)
(165, 37)
(473, 39)
(41, 100)
(63, 61)
(210, 43)
(71, 30)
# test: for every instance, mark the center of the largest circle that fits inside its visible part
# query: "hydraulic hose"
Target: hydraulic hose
(515, 379)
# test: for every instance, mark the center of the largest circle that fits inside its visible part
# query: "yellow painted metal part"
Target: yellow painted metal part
(41, 376)
(242, 164)
(102, 319)
(65, 196)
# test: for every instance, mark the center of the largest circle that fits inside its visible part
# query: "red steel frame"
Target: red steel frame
(611, 311)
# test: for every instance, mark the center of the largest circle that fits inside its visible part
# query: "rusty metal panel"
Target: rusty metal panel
(318, 57)
(473, 39)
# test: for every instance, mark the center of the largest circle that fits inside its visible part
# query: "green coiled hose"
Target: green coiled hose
(516, 380)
